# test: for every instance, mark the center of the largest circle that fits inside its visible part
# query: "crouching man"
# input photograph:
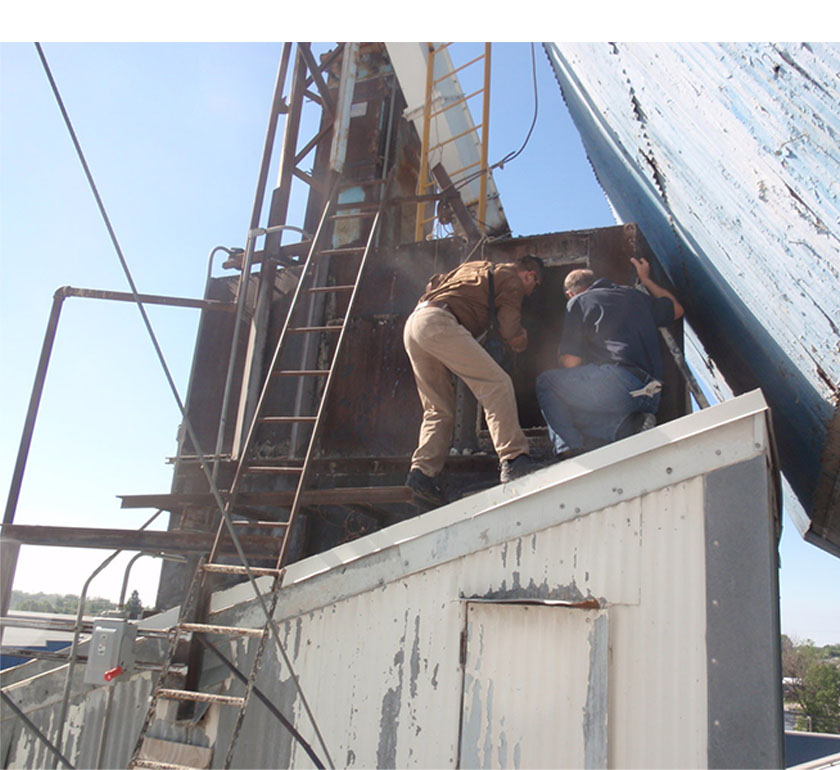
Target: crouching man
(610, 374)
(440, 338)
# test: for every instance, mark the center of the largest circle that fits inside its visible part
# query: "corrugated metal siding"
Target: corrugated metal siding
(658, 648)
(374, 628)
(383, 670)
(727, 157)
(535, 687)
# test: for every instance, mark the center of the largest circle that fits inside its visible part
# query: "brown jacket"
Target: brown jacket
(466, 290)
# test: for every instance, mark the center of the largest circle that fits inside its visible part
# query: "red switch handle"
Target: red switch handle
(113, 673)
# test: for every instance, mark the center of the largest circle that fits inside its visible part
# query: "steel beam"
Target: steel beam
(134, 540)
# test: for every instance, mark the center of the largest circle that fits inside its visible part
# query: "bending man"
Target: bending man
(440, 338)
(610, 359)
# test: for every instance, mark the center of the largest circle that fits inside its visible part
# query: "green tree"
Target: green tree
(814, 682)
(134, 607)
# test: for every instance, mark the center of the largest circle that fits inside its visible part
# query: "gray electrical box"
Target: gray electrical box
(111, 650)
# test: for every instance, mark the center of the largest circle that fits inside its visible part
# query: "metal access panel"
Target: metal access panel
(111, 650)
(535, 686)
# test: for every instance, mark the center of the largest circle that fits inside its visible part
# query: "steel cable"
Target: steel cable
(186, 422)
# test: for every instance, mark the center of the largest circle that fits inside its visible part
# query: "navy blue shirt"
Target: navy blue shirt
(610, 324)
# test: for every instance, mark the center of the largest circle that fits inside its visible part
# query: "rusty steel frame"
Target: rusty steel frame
(10, 550)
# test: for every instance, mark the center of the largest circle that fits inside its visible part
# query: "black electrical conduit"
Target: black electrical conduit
(186, 422)
(266, 702)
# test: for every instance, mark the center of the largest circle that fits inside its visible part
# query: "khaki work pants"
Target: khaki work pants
(437, 345)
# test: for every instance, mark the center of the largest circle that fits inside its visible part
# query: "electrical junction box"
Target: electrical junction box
(111, 651)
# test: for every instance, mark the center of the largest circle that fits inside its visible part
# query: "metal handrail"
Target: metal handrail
(71, 665)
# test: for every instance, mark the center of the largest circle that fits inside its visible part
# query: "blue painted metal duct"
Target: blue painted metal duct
(728, 158)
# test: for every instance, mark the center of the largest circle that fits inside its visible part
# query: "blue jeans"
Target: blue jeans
(585, 405)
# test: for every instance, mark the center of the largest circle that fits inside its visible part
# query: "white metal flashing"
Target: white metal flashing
(674, 452)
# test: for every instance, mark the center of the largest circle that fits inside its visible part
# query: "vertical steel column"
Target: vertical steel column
(281, 195)
(9, 551)
(277, 107)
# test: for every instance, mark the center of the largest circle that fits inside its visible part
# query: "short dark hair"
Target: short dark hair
(529, 262)
(578, 280)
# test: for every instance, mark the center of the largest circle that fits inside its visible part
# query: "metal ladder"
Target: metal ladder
(426, 181)
(308, 286)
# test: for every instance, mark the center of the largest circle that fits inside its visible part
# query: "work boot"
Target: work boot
(425, 487)
(635, 423)
(518, 467)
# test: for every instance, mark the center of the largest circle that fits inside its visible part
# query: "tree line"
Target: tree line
(68, 604)
(812, 682)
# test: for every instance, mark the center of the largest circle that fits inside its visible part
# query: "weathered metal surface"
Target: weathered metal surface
(509, 717)
(373, 628)
(726, 156)
(133, 539)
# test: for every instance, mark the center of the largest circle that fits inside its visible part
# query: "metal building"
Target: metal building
(617, 610)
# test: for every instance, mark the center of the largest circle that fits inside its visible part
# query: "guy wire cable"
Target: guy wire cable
(187, 423)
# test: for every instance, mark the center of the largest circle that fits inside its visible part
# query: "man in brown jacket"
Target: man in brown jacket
(440, 337)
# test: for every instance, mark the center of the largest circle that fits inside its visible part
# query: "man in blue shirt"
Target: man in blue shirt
(610, 359)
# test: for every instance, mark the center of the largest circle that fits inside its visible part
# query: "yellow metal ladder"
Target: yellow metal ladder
(426, 215)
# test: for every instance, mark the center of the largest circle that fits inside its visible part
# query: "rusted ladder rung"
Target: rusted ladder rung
(201, 697)
(342, 250)
(274, 469)
(288, 419)
(307, 329)
(209, 628)
(301, 372)
(153, 763)
(320, 289)
(237, 569)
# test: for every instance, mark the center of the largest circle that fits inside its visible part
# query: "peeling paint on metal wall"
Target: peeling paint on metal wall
(374, 628)
(389, 658)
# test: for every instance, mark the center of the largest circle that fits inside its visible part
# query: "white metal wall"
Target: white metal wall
(383, 668)
(374, 628)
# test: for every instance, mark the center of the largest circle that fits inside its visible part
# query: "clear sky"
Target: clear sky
(173, 134)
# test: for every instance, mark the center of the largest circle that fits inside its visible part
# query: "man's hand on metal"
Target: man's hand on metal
(519, 343)
(642, 268)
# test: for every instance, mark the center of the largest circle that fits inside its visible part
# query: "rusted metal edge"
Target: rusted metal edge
(584, 604)
(337, 496)
(135, 540)
(148, 299)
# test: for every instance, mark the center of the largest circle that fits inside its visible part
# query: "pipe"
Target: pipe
(71, 665)
(121, 605)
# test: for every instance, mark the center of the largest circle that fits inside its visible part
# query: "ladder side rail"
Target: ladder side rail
(250, 682)
(305, 470)
(423, 175)
(187, 609)
(278, 349)
(485, 142)
(278, 107)
(267, 703)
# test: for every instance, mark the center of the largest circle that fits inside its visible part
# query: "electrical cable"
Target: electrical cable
(515, 154)
(167, 373)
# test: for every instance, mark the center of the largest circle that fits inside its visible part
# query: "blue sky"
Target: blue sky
(173, 134)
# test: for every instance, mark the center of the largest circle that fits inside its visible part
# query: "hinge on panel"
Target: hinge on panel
(463, 654)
